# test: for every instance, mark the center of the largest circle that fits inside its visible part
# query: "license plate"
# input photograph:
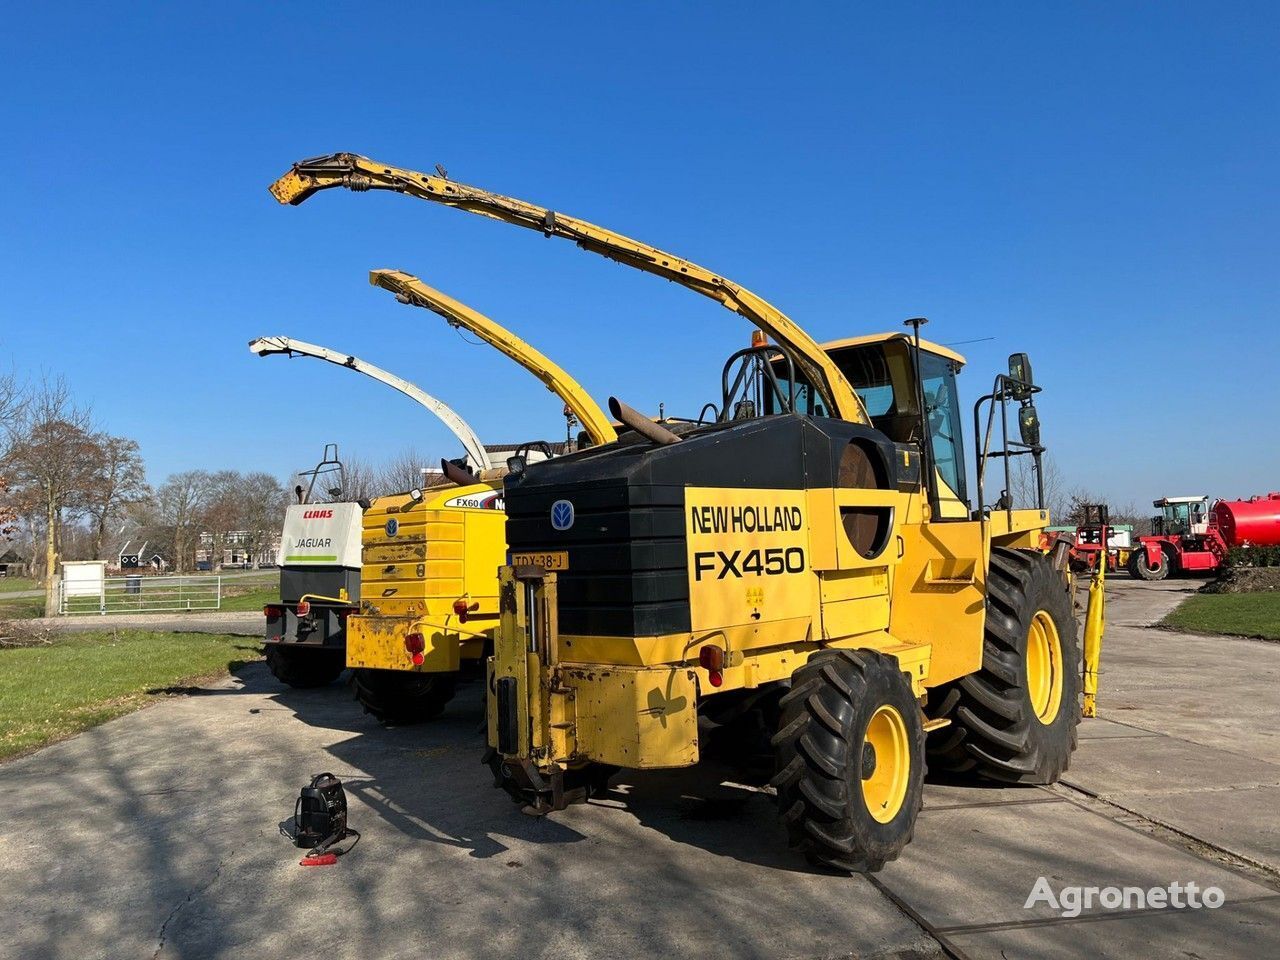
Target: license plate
(554, 560)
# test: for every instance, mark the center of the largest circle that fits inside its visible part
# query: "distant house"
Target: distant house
(136, 556)
(12, 564)
(238, 550)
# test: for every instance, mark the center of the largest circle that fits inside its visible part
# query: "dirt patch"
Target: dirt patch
(1245, 580)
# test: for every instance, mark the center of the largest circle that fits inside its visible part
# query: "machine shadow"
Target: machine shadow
(423, 782)
(427, 783)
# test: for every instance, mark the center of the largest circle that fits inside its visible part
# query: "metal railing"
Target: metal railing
(139, 594)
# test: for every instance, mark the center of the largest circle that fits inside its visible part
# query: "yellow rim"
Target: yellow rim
(1044, 667)
(884, 782)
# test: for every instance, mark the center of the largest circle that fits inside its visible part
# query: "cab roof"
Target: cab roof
(870, 338)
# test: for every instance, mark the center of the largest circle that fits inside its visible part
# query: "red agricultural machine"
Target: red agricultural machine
(1189, 537)
(1095, 538)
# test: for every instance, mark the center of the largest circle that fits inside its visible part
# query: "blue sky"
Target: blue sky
(1092, 183)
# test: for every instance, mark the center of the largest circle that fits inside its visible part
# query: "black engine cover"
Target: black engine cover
(628, 560)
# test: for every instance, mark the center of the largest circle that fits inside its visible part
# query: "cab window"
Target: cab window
(942, 406)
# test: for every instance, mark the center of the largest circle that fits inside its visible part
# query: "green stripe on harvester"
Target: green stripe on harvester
(313, 558)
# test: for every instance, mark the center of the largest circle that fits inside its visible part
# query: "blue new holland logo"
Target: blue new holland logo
(562, 515)
(392, 526)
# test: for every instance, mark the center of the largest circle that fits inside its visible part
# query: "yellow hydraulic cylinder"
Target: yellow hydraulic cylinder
(1094, 623)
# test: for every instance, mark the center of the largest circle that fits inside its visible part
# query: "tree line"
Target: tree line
(72, 491)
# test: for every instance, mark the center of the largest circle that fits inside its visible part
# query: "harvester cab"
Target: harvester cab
(815, 564)
(319, 578)
(1181, 516)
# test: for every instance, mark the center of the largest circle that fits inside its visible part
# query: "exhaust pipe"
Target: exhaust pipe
(456, 474)
(641, 424)
(465, 478)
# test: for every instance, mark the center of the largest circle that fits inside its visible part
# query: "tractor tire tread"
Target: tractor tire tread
(994, 732)
(305, 667)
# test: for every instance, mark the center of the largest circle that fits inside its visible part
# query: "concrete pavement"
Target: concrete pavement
(156, 835)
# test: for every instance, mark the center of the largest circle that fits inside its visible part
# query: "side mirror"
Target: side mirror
(1029, 424)
(1020, 374)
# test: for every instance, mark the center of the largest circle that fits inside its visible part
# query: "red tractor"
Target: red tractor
(1096, 537)
(1189, 537)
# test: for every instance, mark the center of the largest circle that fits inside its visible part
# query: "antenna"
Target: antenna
(926, 452)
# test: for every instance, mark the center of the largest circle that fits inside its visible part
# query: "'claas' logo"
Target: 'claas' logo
(316, 514)
(756, 563)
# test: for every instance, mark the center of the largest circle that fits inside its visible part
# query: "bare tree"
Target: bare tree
(120, 479)
(403, 472)
(11, 403)
(179, 507)
(262, 503)
(221, 515)
(361, 481)
(1022, 485)
(51, 459)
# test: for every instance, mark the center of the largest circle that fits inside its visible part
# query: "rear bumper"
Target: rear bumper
(324, 627)
(378, 643)
(560, 715)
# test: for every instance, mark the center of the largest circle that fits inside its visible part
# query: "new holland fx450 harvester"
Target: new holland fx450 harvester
(810, 555)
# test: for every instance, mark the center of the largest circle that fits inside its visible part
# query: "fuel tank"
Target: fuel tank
(1253, 522)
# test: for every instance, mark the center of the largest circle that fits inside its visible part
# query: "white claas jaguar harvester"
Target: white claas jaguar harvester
(305, 638)
(811, 555)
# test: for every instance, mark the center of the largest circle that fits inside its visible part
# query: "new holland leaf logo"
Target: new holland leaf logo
(562, 515)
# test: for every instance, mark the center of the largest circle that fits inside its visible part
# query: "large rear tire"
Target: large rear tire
(402, 697)
(305, 667)
(1015, 719)
(850, 760)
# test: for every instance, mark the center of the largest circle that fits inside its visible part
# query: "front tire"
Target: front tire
(305, 667)
(850, 760)
(1140, 567)
(402, 697)
(1015, 719)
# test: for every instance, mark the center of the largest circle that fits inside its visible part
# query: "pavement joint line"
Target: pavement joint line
(1242, 866)
(1090, 917)
(1247, 785)
(952, 950)
(994, 803)
(1193, 743)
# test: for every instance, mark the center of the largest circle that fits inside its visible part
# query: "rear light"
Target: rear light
(304, 607)
(415, 643)
(272, 612)
(711, 659)
(462, 608)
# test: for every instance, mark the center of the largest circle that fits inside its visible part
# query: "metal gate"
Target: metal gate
(141, 595)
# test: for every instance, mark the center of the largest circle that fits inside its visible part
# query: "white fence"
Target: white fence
(141, 595)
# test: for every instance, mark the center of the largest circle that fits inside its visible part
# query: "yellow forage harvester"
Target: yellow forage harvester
(808, 556)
